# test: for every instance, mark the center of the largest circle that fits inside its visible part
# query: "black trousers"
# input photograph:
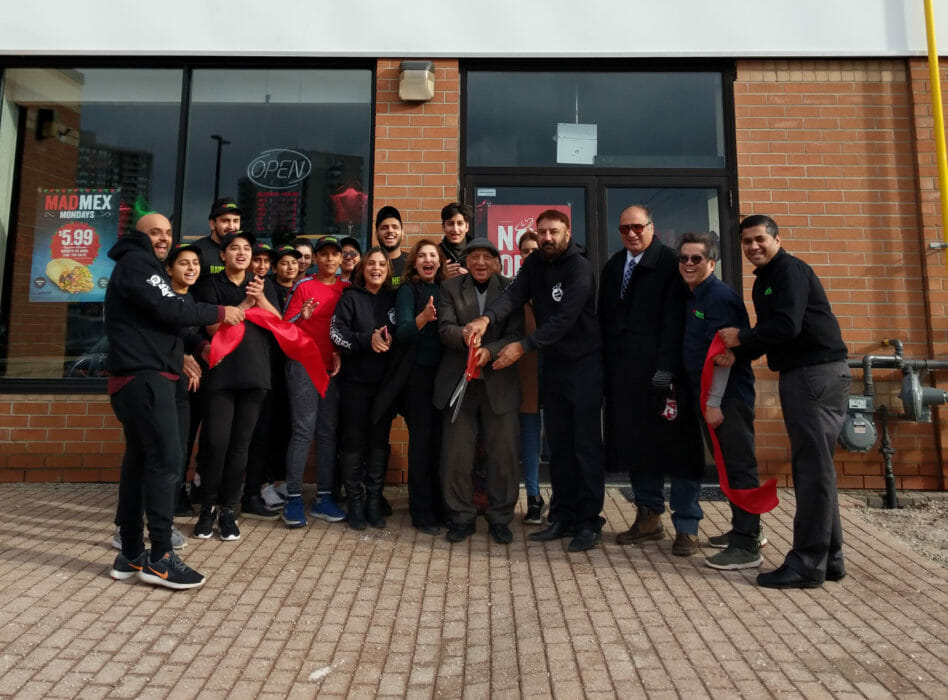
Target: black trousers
(151, 466)
(424, 446)
(266, 458)
(814, 401)
(736, 437)
(572, 412)
(229, 421)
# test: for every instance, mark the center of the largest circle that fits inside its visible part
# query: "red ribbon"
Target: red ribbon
(294, 342)
(762, 499)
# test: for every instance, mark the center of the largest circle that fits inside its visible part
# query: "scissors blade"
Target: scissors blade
(459, 398)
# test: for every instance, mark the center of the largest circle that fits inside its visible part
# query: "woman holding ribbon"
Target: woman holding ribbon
(235, 388)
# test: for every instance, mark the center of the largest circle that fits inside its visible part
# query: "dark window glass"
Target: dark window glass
(293, 147)
(92, 141)
(625, 120)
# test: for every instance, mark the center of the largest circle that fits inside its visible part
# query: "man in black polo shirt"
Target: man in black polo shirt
(389, 234)
(223, 219)
(797, 330)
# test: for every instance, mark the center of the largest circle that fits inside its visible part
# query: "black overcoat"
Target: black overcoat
(642, 332)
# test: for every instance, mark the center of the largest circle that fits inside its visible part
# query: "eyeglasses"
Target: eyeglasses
(349, 254)
(637, 228)
(694, 259)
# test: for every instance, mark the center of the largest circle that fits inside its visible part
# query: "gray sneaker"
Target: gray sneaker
(724, 539)
(734, 558)
(178, 541)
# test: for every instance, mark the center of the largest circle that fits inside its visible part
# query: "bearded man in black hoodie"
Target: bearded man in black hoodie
(144, 319)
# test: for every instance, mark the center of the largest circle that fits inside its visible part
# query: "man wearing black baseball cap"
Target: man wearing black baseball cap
(389, 234)
(224, 218)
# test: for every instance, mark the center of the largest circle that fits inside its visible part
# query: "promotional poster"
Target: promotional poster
(505, 224)
(74, 230)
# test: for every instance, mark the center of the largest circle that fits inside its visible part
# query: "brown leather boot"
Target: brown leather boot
(647, 527)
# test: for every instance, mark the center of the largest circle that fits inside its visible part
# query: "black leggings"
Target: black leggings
(230, 416)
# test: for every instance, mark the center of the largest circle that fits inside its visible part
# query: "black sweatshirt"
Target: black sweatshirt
(144, 317)
(795, 324)
(357, 315)
(564, 304)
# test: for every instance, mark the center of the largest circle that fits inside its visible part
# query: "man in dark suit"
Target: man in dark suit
(491, 401)
(641, 312)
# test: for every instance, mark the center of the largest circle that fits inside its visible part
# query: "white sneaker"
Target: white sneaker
(272, 498)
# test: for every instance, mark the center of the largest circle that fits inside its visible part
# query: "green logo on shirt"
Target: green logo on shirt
(699, 314)
(768, 291)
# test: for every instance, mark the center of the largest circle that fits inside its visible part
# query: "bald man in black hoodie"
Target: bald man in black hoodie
(144, 318)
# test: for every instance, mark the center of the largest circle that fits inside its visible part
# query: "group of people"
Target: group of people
(468, 357)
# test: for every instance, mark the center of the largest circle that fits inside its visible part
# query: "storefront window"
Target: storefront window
(79, 146)
(292, 146)
(606, 120)
(82, 144)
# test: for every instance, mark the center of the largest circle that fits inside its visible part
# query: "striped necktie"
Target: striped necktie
(627, 277)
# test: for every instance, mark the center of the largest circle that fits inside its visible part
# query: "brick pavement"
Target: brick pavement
(326, 611)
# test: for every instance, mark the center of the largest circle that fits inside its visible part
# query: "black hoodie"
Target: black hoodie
(358, 313)
(564, 302)
(143, 315)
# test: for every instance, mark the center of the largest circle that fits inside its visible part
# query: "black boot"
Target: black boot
(385, 505)
(354, 474)
(374, 479)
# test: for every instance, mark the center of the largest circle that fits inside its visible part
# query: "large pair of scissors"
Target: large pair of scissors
(472, 371)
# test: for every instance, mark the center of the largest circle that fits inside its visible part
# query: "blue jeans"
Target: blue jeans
(683, 499)
(530, 452)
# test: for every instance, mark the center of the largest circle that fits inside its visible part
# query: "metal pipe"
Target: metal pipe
(888, 452)
(939, 118)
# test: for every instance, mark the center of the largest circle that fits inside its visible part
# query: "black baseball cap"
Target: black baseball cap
(261, 249)
(285, 250)
(229, 238)
(354, 242)
(387, 212)
(182, 248)
(327, 241)
(224, 205)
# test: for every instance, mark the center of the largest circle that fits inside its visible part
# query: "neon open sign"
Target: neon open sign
(279, 169)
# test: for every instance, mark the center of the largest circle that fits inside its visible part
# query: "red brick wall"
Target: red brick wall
(416, 170)
(59, 438)
(828, 148)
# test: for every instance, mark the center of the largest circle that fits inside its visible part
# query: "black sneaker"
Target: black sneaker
(227, 524)
(171, 572)
(255, 507)
(124, 569)
(205, 524)
(535, 509)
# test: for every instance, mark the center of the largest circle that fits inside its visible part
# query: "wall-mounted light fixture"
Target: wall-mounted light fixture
(416, 81)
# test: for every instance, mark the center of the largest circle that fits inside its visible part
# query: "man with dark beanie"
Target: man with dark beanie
(143, 317)
(389, 234)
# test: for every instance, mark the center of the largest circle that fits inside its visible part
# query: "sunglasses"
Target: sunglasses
(349, 254)
(637, 228)
(693, 259)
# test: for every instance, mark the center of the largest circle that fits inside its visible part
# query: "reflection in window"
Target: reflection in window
(627, 120)
(293, 148)
(93, 140)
